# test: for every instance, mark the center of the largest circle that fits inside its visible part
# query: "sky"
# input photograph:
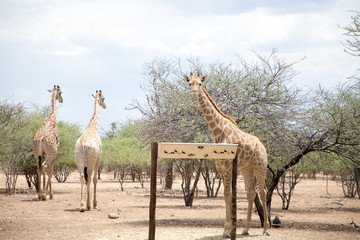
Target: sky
(85, 46)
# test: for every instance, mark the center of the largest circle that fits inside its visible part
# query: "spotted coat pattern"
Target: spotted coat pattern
(252, 157)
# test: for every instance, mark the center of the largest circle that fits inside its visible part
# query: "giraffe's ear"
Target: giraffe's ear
(186, 78)
(49, 90)
(204, 78)
(198, 74)
(93, 95)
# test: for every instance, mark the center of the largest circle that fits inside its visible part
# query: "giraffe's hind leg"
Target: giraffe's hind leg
(95, 179)
(88, 185)
(49, 187)
(82, 202)
(43, 191)
(260, 174)
(39, 184)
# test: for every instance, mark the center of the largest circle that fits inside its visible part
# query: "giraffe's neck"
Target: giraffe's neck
(51, 119)
(94, 121)
(214, 117)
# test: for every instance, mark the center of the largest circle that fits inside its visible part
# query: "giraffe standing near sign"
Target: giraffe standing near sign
(46, 145)
(88, 152)
(252, 158)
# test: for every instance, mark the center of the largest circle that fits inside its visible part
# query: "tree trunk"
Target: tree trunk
(189, 198)
(169, 175)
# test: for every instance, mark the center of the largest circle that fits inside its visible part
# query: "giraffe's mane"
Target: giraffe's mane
(216, 107)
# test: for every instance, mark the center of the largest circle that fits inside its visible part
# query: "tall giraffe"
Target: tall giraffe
(46, 145)
(252, 158)
(88, 152)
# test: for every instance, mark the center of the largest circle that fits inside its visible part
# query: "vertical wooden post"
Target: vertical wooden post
(233, 199)
(154, 156)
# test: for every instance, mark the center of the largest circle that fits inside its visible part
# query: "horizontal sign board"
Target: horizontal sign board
(197, 150)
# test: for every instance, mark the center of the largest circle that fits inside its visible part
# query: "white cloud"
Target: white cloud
(70, 51)
(89, 40)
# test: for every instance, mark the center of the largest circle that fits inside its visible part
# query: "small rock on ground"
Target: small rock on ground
(113, 216)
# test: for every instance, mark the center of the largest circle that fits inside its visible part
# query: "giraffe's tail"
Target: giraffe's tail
(39, 160)
(85, 174)
(40, 152)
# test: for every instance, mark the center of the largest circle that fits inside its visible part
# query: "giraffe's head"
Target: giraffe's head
(100, 98)
(57, 91)
(195, 82)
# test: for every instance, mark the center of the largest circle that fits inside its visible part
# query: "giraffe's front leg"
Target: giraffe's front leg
(228, 205)
(227, 198)
(224, 168)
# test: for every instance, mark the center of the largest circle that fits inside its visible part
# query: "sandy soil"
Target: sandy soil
(313, 213)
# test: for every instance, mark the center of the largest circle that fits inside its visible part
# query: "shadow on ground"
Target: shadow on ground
(218, 223)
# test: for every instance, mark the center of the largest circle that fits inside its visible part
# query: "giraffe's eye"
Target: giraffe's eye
(189, 84)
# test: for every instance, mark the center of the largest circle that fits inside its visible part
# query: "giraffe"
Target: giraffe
(252, 158)
(88, 152)
(46, 145)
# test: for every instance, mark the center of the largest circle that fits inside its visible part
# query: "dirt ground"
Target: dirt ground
(313, 214)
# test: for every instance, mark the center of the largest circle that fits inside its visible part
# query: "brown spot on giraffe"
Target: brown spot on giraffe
(46, 145)
(252, 159)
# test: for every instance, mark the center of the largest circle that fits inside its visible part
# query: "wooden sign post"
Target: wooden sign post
(188, 151)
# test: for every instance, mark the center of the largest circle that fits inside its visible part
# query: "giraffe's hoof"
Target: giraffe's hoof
(266, 234)
(226, 235)
(245, 233)
(82, 209)
(43, 197)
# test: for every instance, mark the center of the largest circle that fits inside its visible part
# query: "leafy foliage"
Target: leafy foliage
(65, 163)
(15, 141)
(124, 154)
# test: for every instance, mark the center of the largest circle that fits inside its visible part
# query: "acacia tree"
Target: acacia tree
(257, 96)
(15, 141)
(172, 115)
(329, 125)
(211, 178)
